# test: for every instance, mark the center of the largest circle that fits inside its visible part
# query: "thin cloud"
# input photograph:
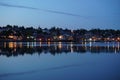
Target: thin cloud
(33, 8)
(17, 6)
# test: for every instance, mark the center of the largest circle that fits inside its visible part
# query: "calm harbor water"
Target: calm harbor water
(59, 61)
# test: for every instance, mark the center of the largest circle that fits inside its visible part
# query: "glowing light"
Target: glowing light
(108, 38)
(60, 45)
(48, 39)
(28, 44)
(10, 36)
(60, 37)
(118, 38)
(40, 39)
(71, 47)
(15, 37)
(12, 44)
(90, 43)
(90, 39)
(49, 44)
(28, 37)
(32, 37)
(113, 39)
(15, 44)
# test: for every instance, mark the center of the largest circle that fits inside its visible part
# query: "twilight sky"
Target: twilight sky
(72, 14)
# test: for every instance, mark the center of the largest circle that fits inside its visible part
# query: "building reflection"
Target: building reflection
(20, 48)
(12, 44)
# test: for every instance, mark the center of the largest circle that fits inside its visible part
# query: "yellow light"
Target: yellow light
(11, 45)
(10, 36)
(60, 37)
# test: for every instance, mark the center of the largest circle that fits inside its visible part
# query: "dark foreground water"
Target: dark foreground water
(59, 61)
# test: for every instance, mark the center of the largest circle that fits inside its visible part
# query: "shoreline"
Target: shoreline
(51, 41)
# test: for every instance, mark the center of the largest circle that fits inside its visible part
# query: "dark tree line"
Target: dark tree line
(25, 32)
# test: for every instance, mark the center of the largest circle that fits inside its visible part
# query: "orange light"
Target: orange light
(11, 44)
(48, 39)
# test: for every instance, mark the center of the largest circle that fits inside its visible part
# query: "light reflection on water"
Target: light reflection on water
(14, 48)
(73, 63)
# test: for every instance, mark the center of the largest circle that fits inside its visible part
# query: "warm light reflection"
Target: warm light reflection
(48, 43)
(14, 50)
(71, 47)
(5, 44)
(49, 39)
(21, 45)
(12, 44)
(15, 44)
(40, 44)
(60, 45)
(40, 39)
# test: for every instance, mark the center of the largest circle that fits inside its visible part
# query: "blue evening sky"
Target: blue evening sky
(72, 14)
